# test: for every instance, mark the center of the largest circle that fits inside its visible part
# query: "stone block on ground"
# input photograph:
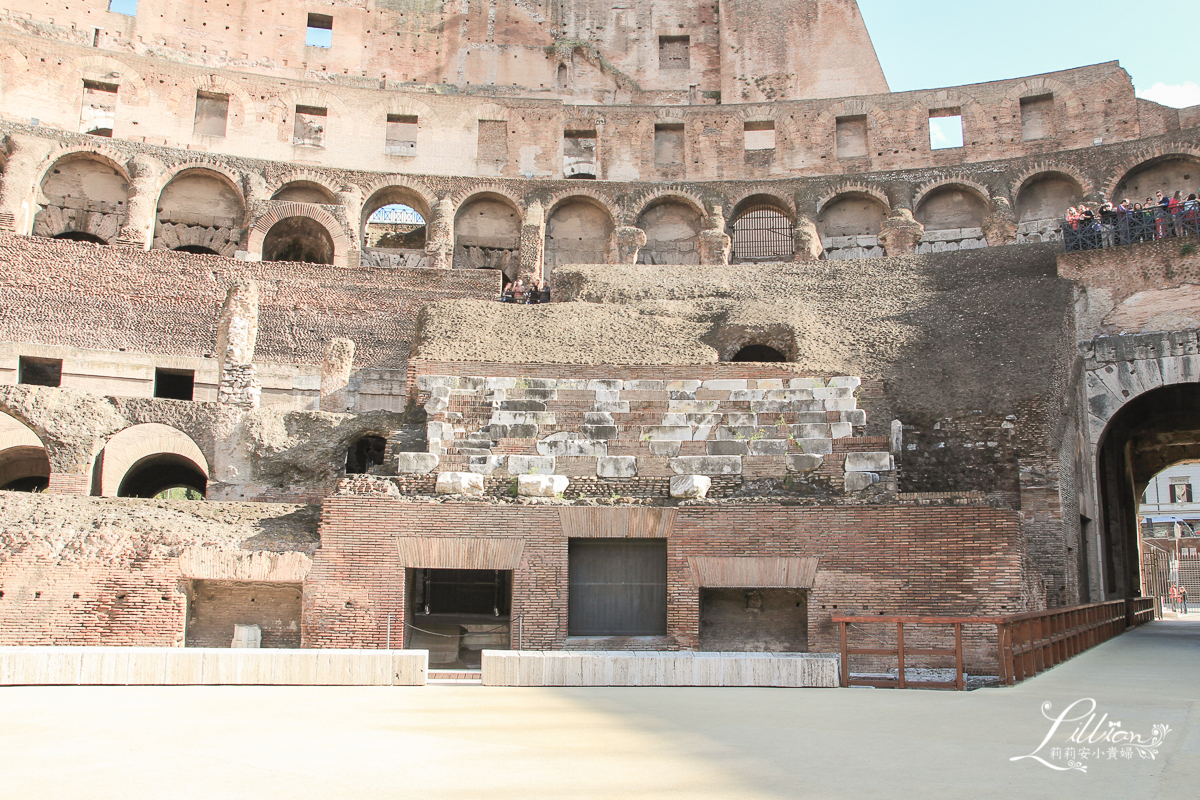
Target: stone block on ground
(816, 447)
(804, 463)
(768, 447)
(707, 465)
(616, 467)
(416, 463)
(530, 465)
(868, 462)
(857, 481)
(460, 483)
(690, 487)
(542, 485)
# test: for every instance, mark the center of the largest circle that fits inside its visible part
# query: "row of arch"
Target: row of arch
(201, 209)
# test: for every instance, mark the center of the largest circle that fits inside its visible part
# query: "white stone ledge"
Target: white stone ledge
(645, 668)
(149, 666)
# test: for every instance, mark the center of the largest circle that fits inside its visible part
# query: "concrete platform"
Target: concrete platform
(233, 742)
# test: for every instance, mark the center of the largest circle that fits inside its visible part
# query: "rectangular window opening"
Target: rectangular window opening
(1181, 493)
(320, 31)
(174, 384)
(39, 371)
(852, 136)
(401, 138)
(760, 135)
(309, 129)
(674, 52)
(1037, 117)
(126, 7)
(579, 153)
(456, 614)
(98, 111)
(668, 143)
(617, 587)
(212, 113)
(945, 128)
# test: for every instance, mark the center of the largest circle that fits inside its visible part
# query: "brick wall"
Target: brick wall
(217, 606)
(902, 559)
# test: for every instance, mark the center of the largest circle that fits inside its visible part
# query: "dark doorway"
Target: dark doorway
(618, 587)
(458, 613)
(758, 353)
(155, 474)
(80, 236)
(367, 452)
(298, 239)
(197, 250)
(174, 384)
(754, 620)
(39, 371)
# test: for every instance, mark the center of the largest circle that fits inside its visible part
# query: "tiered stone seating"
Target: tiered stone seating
(620, 429)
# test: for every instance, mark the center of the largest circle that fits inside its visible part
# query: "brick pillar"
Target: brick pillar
(440, 242)
(335, 375)
(533, 243)
(19, 185)
(714, 243)
(806, 240)
(145, 174)
(630, 241)
(901, 233)
(237, 336)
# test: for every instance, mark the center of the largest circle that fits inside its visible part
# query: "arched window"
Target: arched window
(298, 239)
(156, 475)
(758, 353)
(761, 232)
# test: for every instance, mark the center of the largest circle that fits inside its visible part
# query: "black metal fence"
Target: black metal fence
(1116, 228)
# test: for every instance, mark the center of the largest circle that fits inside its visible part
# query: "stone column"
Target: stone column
(1000, 226)
(714, 243)
(533, 243)
(806, 241)
(19, 187)
(630, 241)
(901, 233)
(335, 375)
(141, 210)
(350, 197)
(237, 335)
(439, 244)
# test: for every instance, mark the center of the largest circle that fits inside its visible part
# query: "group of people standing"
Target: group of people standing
(520, 292)
(1160, 217)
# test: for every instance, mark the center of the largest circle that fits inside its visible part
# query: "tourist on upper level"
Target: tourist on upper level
(520, 293)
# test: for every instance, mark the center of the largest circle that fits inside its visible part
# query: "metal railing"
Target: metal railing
(1027, 644)
(1126, 228)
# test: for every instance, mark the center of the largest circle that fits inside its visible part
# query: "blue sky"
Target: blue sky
(935, 43)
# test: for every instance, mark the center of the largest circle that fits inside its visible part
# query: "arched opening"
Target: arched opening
(24, 468)
(197, 250)
(106, 132)
(758, 353)
(366, 452)
(1153, 432)
(394, 228)
(849, 226)
(1047, 197)
(951, 207)
(154, 475)
(80, 236)
(82, 193)
(578, 231)
(761, 231)
(305, 192)
(581, 176)
(487, 235)
(199, 208)
(1167, 174)
(562, 80)
(301, 239)
(672, 228)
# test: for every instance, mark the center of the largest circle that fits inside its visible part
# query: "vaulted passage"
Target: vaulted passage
(82, 198)
(459, 613)
(1150, 433)
(159, 473)
(298, 239)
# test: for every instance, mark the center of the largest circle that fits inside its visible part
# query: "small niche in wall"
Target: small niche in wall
(852, 136)
(174, 384)
(760, 135)
(579, 154)
(1037, 117)
(98, 111)
(39, 371)
(674, 52)
(668, 143)
(320, 31)
(212, 112)
(401, 138)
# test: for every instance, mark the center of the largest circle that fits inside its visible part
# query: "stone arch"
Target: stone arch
(143, 449)
(101, 67)
(183, 99)
(200, 207)
(393, 190)
(951, 203)
(24, 462)
(580, 229)
(1036, 87)
(487, 233)
(672, 223)
(82, 191)
(637, 205)
(760, 227)
(879, 125)
(490, 188)
(1173, 168)
(317, 182)
(283, 210)
(1046, 194)
(852, 211)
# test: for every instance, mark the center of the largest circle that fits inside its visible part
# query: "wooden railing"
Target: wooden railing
(1027, 644)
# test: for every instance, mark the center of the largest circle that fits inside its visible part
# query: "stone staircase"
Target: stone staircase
(685, 432)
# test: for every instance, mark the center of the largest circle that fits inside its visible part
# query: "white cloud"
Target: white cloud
(1179, 95)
